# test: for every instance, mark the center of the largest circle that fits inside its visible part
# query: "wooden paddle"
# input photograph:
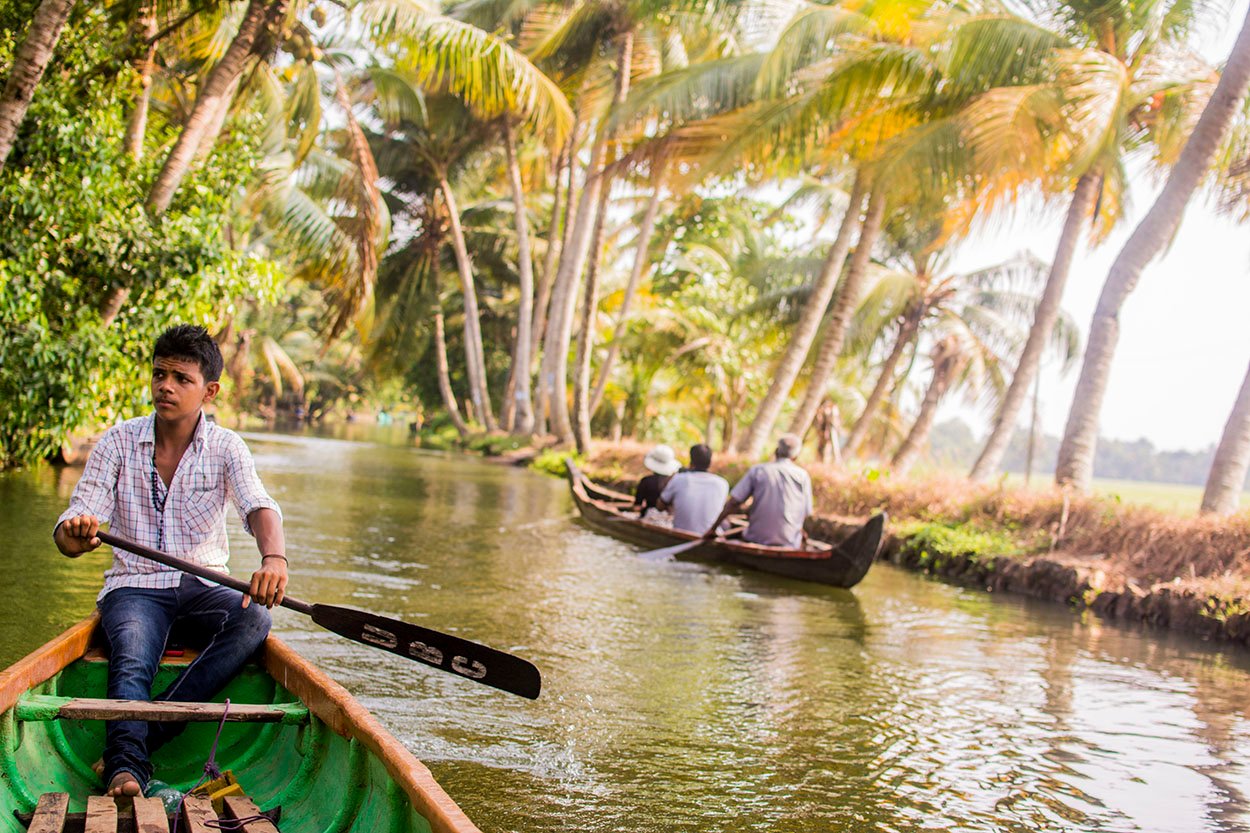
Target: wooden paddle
(669, 552)
(440, 650)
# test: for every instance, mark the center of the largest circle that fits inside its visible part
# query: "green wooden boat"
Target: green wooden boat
(294, 739)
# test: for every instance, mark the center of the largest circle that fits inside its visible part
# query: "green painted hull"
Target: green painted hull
(340, 773)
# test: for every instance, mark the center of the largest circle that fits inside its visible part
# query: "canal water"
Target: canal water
(685, 697)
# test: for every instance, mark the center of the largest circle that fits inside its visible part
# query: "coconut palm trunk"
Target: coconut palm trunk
(542, 297)
(217, 86)
(885, 382)
(554, 369)
(29, 63)
(907, 454)
(444, 377)
(1232, 459)
(787, 370)
(843, 304)
(555, 366)
(1076, 452)
(586, 335)
(641, 264)
(523, 421)
(144, 31)
(582, 411)
(475, 360)
(551, 280)
(1084, 198)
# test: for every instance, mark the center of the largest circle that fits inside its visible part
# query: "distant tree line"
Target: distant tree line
(955, 445)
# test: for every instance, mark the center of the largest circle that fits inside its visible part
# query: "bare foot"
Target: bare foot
(123, 785)
(98, 769)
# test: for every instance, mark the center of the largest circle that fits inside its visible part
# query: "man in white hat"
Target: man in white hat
(663, 462)
(781, 499)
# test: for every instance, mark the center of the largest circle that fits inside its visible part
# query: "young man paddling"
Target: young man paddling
(163, 481)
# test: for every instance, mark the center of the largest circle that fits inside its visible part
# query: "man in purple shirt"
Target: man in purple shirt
(163, 481)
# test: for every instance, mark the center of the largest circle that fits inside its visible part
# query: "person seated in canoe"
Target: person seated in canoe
(163, 481)
(694, 496)
(781, 499)
(663, 464)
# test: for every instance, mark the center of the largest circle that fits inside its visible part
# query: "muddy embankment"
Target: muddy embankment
(1120, 561)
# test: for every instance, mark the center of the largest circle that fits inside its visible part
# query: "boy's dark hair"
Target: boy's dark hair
(191, 343)
(700, 457)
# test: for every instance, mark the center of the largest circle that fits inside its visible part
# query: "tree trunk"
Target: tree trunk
(641, 262)
(582, 412)
(909, 451)
(586, 335)
(1227, 477)
(844, 303)
(524, 422)
(885, 382)
(444, 377)
(215, 122)
(1084, 197)
(144, 31)
(1076, 452)
(112, 305)
(559, 334)
(543, 297)
(29, 62)
(216, 87)
(550, 281)
(475, 360)
(800, 345)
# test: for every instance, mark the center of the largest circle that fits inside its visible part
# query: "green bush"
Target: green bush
(73, 229)
(935, 542)
(551, 461)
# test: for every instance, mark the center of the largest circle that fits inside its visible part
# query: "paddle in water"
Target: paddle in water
(669, 552)
(443, 651)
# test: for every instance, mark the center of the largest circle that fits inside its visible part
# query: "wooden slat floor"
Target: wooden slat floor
(109, 815)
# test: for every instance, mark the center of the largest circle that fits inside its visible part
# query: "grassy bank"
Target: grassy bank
(1118, 558)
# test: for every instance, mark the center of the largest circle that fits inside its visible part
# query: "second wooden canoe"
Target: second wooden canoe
(842, 564)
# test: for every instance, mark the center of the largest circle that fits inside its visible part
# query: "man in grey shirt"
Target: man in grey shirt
(781, 499)
(696, 495)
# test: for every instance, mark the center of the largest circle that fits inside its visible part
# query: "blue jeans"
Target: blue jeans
(137, 622)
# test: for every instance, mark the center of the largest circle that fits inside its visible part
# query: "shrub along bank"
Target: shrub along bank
(1122, 561)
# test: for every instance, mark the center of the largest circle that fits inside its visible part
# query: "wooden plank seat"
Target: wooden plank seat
(146, 815)
(44, 707)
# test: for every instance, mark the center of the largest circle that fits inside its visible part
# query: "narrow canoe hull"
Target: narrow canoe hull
(335, 769)
(840, 565)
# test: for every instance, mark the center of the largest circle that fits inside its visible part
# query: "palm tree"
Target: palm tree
(1110, 79)
(1076, 451)
(29, 63)
(260, 17)
(1227, 477)
(979, 323)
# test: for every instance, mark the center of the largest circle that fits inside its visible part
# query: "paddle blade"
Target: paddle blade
(669, 552)
(440, 650)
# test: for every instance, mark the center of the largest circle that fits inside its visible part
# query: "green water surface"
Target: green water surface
(686, 697)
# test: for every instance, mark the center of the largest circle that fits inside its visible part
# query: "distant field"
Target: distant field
(1171, 496)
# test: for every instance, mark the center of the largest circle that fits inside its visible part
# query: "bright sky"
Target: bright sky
(1185, 331)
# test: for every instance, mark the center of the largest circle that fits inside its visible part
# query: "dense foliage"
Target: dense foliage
(73, 231)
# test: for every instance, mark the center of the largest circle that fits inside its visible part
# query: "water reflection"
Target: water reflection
(684, 697)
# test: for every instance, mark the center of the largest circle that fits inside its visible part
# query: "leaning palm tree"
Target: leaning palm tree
(1107, 81)
(979, 322)
(1076, 451)
(1227, 477)
(29, 62)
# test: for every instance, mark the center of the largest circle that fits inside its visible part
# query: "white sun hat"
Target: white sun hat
(661, 460)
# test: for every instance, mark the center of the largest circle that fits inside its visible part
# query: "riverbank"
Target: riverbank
(1095, 554)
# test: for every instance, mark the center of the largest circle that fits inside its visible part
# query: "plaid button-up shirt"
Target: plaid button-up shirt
(121, 487)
